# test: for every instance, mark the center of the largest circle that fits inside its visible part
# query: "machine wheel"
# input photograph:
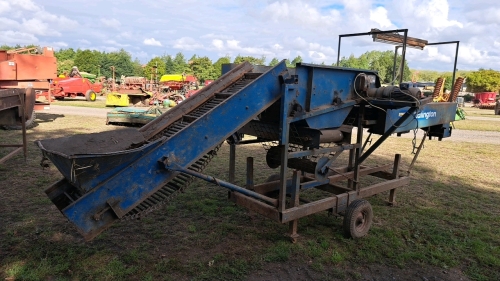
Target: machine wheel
(358, 219)
(90, 95)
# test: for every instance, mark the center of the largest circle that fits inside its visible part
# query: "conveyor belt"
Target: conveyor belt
(181, 181)
(133, 177)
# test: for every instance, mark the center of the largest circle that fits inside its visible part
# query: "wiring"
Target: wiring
(414, 140)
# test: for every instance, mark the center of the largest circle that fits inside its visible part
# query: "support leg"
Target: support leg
(395, 171)
(294, 202)
(232, 162)
(250, 182)
(357, 151)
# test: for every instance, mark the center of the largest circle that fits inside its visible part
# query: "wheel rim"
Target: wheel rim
(93, 96)
(360, 223)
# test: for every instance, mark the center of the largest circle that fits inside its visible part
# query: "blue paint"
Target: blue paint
(430, 114)
(145, 175)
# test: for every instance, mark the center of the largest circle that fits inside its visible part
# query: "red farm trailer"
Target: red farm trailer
(75, 86)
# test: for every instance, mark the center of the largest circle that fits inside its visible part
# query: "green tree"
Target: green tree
(155, 68)
(426, 75)
(121, 60)
(252, 60)
(202, 69)
(180, 65)
(351, 62)
(138, 69)
(64, 67)
(65, 60)
(296, 60)
(88, 61)
(193, 57)
(65, 54)
(382, 62)
(169, 64)
(483, 81)
(274, 62)
(218, 65)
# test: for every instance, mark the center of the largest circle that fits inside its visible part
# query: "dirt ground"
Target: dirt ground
(377, 272)
(290, 270)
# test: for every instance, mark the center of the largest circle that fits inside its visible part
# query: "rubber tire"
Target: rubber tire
(30, 123)
(358, 219)
(90, 95)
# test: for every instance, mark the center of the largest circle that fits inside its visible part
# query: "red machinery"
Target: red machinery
(177, 82)
(22, 73)
(485, 100)
(75, 86)
(177, 87)
(30, 70)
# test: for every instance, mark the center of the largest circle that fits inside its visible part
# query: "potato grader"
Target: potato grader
(305, 117)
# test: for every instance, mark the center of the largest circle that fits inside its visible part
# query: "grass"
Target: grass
(477, 125)
(474, 111)
(446, 219)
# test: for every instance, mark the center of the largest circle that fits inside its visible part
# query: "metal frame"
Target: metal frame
(9, 101)
(405, 39)
(456, 57)
(341, 196)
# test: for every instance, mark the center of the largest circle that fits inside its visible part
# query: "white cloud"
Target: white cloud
(215, 36)
(233, 44)
(16, 37)
(113, 42)
(300, 13)
(187, 43)
(126, 35)
(4, 7)
(38, 27)
(8, 24)
(379, 15)
(277, 47)
(218, 44)
(83, 41)
(151, 42)
(25, 5)
(59, 44)
(112, 22)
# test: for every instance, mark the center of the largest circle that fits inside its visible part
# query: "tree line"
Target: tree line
(100, 62)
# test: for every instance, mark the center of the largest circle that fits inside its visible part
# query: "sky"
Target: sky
(274, 29)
